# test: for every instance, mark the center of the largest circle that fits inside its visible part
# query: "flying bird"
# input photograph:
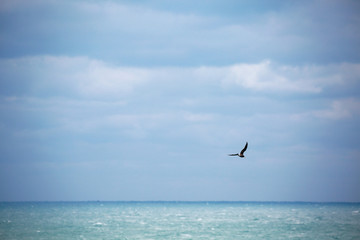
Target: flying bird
(241, 154)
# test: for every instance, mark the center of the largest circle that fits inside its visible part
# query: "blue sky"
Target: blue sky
(143, 100)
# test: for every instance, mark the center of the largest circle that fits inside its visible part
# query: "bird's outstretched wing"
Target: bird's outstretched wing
(244, 149)
(233, 154)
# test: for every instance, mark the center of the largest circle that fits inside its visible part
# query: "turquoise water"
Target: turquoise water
(179, 220)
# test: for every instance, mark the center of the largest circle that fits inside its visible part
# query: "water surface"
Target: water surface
(179, 220)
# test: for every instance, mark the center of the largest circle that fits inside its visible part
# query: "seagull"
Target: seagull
(241, 154)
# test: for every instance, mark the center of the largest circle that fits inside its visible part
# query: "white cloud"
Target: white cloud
(49, 75)
(196, 117)
(338, 109)
(345, 108)
(137, 14)
(267, 77)
(99, 79)
(71, 75)
(147, 34)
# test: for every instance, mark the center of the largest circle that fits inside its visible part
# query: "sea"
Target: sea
(179, 220)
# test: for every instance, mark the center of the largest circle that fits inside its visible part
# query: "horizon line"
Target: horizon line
(174, 201)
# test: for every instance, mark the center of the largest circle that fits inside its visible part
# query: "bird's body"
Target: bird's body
(241, 154)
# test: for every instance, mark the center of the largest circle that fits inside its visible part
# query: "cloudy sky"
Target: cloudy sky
(143, 100)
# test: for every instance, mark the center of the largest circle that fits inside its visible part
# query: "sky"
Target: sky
(144, 100)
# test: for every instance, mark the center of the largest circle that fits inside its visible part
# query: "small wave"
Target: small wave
(99, 224)
(186, 235)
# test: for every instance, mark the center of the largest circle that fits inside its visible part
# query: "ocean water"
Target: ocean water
(179, 220)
